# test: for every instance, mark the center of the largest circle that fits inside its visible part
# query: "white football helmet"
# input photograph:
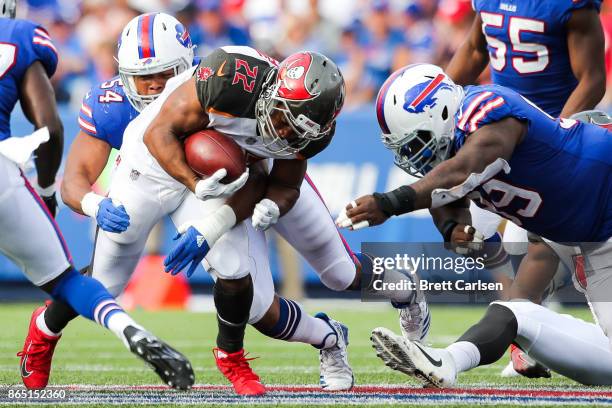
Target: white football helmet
(8, 8)
(416, 109)
(149, 44)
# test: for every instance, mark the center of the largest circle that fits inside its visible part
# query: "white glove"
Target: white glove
(265, 215)
(212, 187)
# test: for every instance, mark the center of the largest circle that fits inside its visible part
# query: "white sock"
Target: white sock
(42, 326)
(299, 326)
(465, 354)
(315, 331)
(117, 323)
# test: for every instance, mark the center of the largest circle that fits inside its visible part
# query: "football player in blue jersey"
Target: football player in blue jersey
(104, 114)
(30, 237)
(552, 53)
(551, 176)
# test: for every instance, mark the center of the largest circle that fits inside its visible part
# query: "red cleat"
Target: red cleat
(235, 367)
(527, 366)
(36, 355)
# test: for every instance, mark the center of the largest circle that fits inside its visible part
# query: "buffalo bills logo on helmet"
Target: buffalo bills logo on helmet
(182, 35)
(423, 95)
(292, 76)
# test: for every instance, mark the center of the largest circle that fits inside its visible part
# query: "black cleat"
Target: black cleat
(171, 366)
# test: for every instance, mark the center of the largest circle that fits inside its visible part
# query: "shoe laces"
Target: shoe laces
(35, 348)
(411, 317)
(333, 359)
(238, 366)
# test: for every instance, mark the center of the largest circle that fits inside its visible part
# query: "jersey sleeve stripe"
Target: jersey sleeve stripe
(42, 33)
(488, 107)
(465, 115)
(86, 110)
(44, 42)
(87, 126)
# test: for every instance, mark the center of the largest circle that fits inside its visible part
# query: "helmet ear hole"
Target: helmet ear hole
(445, 113)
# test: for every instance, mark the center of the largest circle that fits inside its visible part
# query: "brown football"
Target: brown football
(208, 150)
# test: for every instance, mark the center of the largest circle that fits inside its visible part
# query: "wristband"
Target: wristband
(90, 204)
(396, 202)
(447, 229)
(215, 225)
(46, 191)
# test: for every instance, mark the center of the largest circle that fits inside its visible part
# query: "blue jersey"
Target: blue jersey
(527, 44)
(559, 184)
(106, 112)
(21, 44)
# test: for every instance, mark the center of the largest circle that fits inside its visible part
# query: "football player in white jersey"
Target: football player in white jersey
(285, 113)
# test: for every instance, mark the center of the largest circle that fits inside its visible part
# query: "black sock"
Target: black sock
(58, 315)
(233, 300)
(493, 334)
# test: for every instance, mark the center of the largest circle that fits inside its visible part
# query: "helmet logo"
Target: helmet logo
(182, 35)
(295, 72)
(292, 75)
(204, 73)
(423, 96)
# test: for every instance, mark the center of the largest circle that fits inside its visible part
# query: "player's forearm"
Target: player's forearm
(467, 64)
(49, 155)
(284, 197)
(457, 212)
(446, 175)
(74, 187)
(244, 200)
(587, 94)
(535, 273)
(169, 153)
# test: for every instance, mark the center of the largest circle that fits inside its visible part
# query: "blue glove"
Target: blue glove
(111, 218)
(191, 247)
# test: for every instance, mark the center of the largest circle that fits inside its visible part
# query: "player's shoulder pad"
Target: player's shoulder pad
(103, 105)
(482, 105)
(228, 80)
(40, 45)
(210, 78)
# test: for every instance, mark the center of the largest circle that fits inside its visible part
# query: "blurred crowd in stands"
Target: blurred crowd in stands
(368, 38)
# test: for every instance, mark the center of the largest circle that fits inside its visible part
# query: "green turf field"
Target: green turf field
(88, 354)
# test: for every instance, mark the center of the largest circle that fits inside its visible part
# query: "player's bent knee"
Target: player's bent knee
(129, 236)
(339, 276)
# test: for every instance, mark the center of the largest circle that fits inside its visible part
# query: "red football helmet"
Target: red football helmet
(308, 89)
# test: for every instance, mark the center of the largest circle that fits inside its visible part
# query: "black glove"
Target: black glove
(51, 203)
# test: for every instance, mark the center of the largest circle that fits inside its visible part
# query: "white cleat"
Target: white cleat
(336, 373)
(414, 320)
(434, 367)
